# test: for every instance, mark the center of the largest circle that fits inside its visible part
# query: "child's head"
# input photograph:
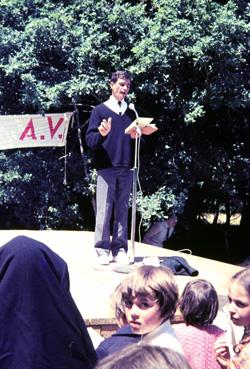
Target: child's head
(144, 356)
(146, 298)
(239, 298)
(199, 302)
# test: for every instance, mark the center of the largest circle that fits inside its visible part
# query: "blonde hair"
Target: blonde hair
(243, 278)
(144, 356)
(147, 280)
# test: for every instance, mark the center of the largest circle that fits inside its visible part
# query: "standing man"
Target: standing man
(113, 157)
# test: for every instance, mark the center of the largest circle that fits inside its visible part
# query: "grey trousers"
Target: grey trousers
(113, 191)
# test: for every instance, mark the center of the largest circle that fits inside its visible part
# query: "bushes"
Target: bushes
(189, 66)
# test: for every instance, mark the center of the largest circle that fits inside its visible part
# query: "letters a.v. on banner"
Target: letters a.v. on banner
(19, 131)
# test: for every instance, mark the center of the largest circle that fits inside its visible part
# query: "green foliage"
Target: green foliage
(64, 51)
(189, 61)
(32, 195)
(157, 205)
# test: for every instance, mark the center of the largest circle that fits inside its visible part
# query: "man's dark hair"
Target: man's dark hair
(119, 74)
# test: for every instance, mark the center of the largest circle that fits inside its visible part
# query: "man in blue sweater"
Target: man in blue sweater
(113, 157)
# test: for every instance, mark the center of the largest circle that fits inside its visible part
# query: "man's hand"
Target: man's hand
(135, 133)
(105, 127)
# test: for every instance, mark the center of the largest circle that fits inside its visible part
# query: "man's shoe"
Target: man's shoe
(121, 258)
(103, 259)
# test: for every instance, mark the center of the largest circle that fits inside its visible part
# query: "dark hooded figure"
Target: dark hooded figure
(40, 325)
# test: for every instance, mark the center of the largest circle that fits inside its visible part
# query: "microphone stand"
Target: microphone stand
(131, 247)
(76, 114)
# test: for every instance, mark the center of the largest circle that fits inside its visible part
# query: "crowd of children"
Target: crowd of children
(147, 299)
(42, 328)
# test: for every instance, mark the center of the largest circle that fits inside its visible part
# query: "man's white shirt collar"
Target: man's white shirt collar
(113, 105)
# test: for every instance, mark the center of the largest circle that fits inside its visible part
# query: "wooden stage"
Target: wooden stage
(91, 288)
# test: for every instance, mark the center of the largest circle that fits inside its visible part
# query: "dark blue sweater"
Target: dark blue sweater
(122, 338)
(116, 149)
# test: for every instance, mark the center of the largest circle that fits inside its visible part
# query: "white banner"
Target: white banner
(18, 131)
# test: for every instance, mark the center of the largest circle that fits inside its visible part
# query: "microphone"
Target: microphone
(132, 107)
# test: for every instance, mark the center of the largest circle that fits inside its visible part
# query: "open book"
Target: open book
(144, 124)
